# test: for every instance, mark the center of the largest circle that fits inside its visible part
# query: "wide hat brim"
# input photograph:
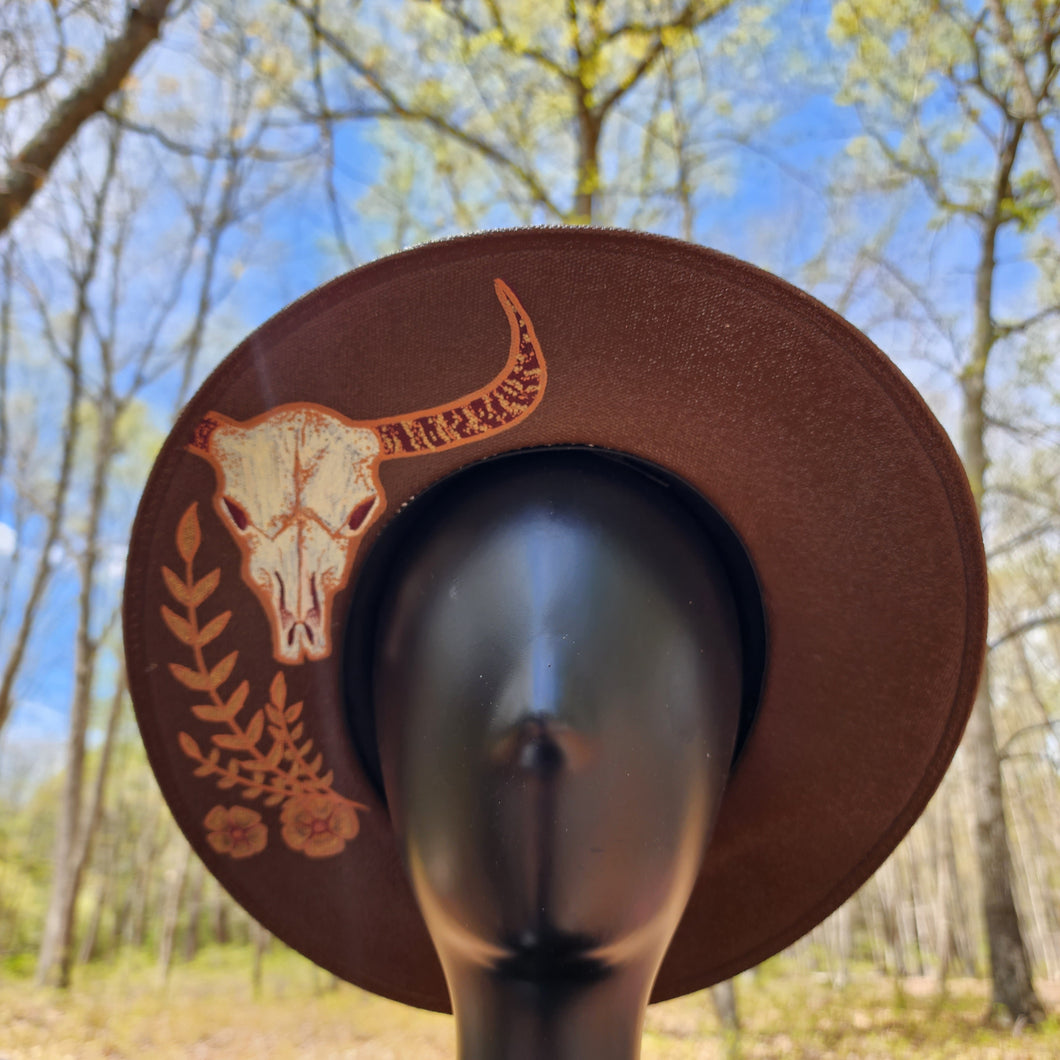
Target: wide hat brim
(845, 491)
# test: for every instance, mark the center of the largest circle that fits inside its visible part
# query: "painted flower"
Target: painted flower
(237, 832)
(318, 825)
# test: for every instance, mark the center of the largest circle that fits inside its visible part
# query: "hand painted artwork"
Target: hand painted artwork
(265, 754)
(297, 487)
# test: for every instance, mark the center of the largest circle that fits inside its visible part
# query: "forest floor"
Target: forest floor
(208, 1010)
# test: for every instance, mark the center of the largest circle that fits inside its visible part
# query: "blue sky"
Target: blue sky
(773, 212)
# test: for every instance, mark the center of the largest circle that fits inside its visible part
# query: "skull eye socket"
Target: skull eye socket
(239, 517)
(360, 514)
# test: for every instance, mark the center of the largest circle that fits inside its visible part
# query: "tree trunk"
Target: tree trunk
(192, 928)
(1042, 840)
(77, 832)
(261, 939)
(74, 834)
(907, 920)
(945, 885)
(842, 921)
(1029, 852)
(222, 932)
(724, 997)
(588, 167)
(969, 931)
(135, 927)
(177, 877)
(888, 892)
(1010, 970)
(87, 949)
(1029, 103)
(870, 913)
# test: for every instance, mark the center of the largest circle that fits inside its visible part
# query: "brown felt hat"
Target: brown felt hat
(260, 516)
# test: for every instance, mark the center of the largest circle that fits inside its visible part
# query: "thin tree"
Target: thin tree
(563, 112)
(130, 354)
(940, 111)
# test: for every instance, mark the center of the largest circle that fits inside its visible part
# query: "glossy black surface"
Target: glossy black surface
(557, 695)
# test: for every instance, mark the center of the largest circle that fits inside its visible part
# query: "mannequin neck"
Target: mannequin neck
(501, 1017)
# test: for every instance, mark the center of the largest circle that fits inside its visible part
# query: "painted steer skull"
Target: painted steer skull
(299, 485)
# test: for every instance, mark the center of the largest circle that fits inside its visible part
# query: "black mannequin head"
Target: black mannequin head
(557, 693)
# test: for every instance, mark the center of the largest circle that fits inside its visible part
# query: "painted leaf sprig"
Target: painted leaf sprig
(316, 819)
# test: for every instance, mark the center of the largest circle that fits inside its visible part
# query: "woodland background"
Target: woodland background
(174, 174)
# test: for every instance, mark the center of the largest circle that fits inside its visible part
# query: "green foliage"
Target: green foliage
(548, 111)
(26, 835)
(934, 87)
(134, 823)
(22, 905)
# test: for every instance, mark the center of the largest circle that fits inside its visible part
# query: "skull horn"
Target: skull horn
(497, 406)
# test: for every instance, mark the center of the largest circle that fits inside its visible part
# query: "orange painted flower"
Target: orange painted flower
(237, 832)
(318, 825)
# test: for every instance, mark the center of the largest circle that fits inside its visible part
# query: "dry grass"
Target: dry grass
(207, 1011)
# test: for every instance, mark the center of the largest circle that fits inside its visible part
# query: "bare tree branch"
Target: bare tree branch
(1029, 101)
(1032, 533)
(1024, 627)
(1004, 753)
(71, 435)
(1017, 326)
(694, 15)
(400, 110)
(46, 77)
(327, 134)
(208, 153)
(1033, 499)
(30, 167)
